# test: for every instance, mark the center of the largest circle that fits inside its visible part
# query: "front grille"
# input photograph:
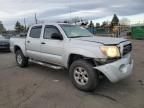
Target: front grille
(127, 48)
(4, 43)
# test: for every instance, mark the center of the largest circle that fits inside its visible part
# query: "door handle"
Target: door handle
(43, 43)
(28, 41)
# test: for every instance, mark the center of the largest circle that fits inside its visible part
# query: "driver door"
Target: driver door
(51, 49)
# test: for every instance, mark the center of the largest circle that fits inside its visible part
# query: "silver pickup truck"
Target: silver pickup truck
(85, 56)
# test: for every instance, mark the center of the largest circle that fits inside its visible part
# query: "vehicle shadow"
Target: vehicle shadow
(109, 91)
(47, 71)
(104, 86)
(3, 52)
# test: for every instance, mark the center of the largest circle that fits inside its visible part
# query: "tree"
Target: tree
(84, 22)
(91, 24)
(115, 21)
(19, 28)
(66, 21)
(2, 29)
(75, 20)
(104, 24)
(97, 25)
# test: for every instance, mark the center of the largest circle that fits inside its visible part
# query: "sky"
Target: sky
(58, 10)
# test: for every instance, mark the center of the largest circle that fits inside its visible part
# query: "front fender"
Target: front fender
(83, 52)
(22, 48)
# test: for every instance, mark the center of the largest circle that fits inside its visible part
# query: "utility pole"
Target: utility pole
(25, 24)
(36, 19)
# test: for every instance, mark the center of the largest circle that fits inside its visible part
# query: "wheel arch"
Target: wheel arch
(16, 47)
(72, 57)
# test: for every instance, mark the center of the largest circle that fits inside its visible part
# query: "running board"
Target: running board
(45, 64)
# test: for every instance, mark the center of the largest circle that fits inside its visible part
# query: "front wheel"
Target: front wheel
(21, 60)
(83, 75)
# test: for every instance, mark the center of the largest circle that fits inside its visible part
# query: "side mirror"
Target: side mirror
(23, 34)
(57, 36)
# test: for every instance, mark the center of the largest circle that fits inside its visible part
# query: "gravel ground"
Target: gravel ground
(41, 87)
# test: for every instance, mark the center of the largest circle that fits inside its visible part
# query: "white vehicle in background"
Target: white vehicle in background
(70, 46)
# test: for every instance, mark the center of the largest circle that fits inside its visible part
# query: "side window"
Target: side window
(49, 31)
(35, 32)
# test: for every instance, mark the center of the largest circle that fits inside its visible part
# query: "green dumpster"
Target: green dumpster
(137, 31)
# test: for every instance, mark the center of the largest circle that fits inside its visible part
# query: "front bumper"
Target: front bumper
(4, 48)
(117, 70)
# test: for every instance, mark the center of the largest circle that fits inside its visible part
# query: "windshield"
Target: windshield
(75, 31)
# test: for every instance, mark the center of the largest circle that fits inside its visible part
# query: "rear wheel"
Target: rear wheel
(83, 75)
(21, 60)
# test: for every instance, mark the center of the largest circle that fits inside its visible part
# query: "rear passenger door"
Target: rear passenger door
(33, 42)
(52, 49)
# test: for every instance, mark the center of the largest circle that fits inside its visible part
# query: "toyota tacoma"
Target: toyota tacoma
(85, 56)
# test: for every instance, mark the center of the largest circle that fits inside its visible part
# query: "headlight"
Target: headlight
(110, 51)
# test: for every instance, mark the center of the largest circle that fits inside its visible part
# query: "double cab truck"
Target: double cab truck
(85, 56)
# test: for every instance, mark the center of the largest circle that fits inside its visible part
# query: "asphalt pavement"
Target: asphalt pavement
(41, 87)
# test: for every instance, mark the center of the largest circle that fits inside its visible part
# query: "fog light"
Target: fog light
(123, 68)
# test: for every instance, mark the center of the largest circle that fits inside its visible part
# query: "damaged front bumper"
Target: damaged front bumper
(117, 70)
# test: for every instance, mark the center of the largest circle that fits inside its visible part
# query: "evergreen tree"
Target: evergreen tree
(2, 29)
(115, 21)
(19, 28)
(91, 24)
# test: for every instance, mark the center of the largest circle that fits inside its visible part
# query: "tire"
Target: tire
(84, 82)
(21, 60)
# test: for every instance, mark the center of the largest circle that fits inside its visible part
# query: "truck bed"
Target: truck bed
(17, 41)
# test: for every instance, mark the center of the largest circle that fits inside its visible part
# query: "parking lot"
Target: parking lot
(41, 87)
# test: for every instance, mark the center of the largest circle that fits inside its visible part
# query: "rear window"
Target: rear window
(35, 32)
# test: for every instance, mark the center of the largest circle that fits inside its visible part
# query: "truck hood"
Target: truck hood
(4, 40)
(103, 40)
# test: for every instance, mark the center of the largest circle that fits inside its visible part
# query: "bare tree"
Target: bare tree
(105, 24)
(124, 21)
(97, 25)
(75, 20)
